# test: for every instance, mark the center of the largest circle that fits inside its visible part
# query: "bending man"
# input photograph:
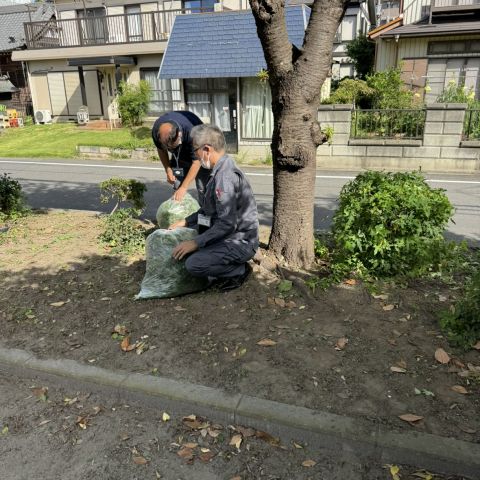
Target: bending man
(227, 221)
(171, 133)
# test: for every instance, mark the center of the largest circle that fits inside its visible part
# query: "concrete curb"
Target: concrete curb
(325, 430)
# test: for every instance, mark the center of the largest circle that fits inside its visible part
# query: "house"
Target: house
(79, 57)
(433, 42)
(14, 89)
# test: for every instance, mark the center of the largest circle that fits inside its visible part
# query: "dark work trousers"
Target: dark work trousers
(220, 260)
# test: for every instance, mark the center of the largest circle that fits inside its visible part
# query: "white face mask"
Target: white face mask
(206, 163)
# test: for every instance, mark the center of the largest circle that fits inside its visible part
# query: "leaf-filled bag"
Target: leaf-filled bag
(165, 276)
(172, 211)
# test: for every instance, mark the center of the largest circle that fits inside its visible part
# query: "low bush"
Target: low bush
(122, 232)
(123, 190)
(12, 202)
(133, 102)
(390, 224)
(461, 323)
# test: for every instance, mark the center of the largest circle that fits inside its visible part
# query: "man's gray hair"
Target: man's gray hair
(208, 135)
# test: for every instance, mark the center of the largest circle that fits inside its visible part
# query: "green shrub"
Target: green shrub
(123, 190)
(389, 224)
(351, 91)
(133, 102)
(12, 203)
(122, 232)
(389, 90)
(462, 323)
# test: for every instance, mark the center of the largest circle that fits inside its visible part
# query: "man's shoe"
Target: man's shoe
(231, 283)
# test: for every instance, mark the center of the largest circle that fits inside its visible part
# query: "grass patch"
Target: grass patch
(61, 140)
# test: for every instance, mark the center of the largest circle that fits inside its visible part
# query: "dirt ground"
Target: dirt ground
(51, 433)
(61, 296)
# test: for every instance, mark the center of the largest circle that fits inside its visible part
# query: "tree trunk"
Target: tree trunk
(296, 77)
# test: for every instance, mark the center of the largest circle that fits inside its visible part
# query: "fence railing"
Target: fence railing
(388, 124)
(471, 125)
(106, 30)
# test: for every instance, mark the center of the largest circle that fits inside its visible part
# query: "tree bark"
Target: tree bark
(296, 77)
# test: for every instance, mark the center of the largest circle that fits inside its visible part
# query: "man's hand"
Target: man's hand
(170, 176)
(184, 248)
(179, 194)
(180, 223)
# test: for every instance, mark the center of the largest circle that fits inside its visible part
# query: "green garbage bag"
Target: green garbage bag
(172, 211)
(165, 276)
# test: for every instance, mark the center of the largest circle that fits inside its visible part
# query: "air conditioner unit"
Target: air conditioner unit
(43, 116)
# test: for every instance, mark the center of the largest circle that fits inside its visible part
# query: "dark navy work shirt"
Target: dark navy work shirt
(183, 155)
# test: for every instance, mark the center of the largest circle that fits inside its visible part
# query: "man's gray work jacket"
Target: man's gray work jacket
(230, 205)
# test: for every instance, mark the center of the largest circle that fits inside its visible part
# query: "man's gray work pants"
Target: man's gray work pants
(220, 260)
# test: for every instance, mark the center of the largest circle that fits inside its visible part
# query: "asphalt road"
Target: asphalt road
(70, 184)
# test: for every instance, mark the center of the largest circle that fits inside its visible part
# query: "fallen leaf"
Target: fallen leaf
(458, 363)
(165, 417)
(423, 474)
(204, 450)
(341, 343)
(213, 433)
(397, 333)
(398, 369)
(266, 437)
(238, 477)
(467, 429)
(309, 463)
(291, 304)
(206, 457)
(410, 417)
(279, 301)
(387, 308)
(190, 445)
(442, 356)
(82, 422)
(460, 389)
(382, 296)
(442, 298)
(57, 304)
(141, 347)
(297, 445)
(125, 345)
(97, 410)
(402, 364)
(105, 299)
(392, 342)
(41, 393)
(178, 308)
(5, 430)
(140, 460)
(246, 432)
(350, 281)
(70, 401)
(236, 440)
(185, 453)
(394, 471)
(266, 342)
(477, 346)
(41, 424)
(120, 329)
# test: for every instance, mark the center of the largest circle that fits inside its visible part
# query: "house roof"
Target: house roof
(12, 18)
(223, 44)
(6, 86)
(433, 29)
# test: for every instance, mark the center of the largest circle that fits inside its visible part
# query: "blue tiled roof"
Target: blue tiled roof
(224, 44)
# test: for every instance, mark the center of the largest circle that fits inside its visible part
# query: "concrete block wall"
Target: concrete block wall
(441, 148)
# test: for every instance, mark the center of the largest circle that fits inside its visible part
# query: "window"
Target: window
(94, 26)
(166, 94)
(134, 23)
(257, 116)
(197, 6)
(209, 100)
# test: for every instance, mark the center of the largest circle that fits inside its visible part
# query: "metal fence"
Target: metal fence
(471, 126)
(388, 123)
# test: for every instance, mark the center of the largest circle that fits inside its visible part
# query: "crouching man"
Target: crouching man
(227, 221)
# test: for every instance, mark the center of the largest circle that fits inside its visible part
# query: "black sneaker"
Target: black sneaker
(231, 283)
